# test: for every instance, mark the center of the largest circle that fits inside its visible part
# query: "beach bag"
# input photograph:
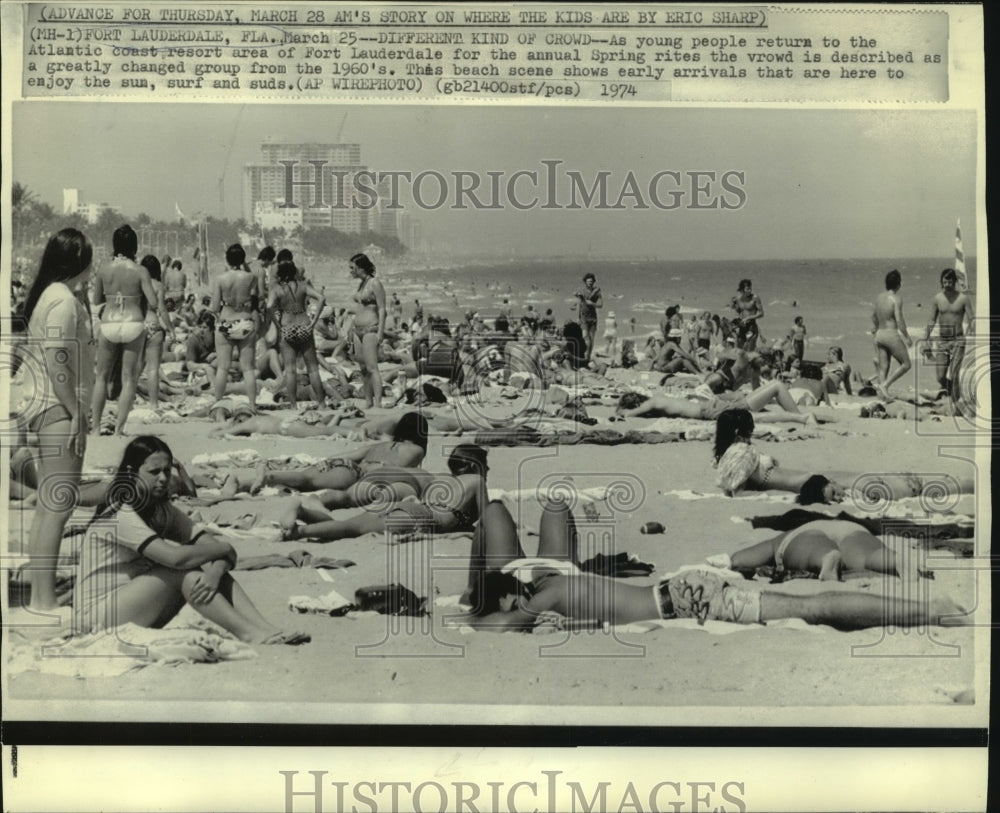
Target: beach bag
(390, 599)
(736, 466)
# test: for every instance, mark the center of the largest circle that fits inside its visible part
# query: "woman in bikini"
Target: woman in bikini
(50, 395)
(234, 301)
(287, 301)
(442, 503)
(635, 405)
(507, 592)
(158, 329)
(826, 547)
(369, 327)
(126, 291)
(152, 559)
(393, 459)
(891, 337)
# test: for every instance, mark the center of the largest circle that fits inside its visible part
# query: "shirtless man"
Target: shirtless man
(891, 336)
(174, 285)
(590, 300)
(748, 309)
(952, 311)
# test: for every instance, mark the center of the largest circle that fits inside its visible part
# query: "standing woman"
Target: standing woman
(126, 291)
(59, 324)
(369, 326)
(287, 300)
(234, 301)
(891, 336)
(158, 328)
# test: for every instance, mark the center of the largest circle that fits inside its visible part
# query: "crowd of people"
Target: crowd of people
(94, 335)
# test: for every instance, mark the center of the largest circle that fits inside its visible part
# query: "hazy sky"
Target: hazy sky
(817, 183)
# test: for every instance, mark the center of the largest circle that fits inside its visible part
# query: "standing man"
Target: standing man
(590, 300)
(748, 310)
(952, 311)
(396, 311)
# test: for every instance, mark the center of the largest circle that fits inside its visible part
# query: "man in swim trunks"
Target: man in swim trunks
(951, 311)
(748, 309)
(590, 300)
(174, 285)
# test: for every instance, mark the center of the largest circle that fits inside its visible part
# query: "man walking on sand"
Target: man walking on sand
(590, 300)
(952, 312)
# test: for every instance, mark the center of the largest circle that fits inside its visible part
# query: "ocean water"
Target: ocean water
(834, 297)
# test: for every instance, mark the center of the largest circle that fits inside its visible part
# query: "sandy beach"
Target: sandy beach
(371, 667)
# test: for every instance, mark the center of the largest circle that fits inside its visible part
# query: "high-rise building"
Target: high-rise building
(328, 183)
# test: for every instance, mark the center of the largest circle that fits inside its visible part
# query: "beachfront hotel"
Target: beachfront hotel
(264, 187)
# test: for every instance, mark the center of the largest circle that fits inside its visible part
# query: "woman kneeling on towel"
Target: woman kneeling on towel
(145, 558)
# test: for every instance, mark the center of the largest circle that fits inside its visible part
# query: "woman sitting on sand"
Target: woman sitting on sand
(153, 559)
(557, 591)
(634, 404)
(445, 503)
(741, 466)
(826, 547)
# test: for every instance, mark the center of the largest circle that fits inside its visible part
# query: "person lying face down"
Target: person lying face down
(558, 589)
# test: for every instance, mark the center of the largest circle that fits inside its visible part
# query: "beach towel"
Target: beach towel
(114, 652)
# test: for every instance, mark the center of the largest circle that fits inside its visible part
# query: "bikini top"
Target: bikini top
(291, 292)
(364, 298)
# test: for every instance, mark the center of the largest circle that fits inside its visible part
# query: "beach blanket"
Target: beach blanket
(123, 649)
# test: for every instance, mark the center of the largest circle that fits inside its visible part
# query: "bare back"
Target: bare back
(236, 288)
(121, 284)
(887, 305)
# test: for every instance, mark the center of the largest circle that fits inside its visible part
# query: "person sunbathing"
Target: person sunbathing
(632, 405)
(825, 547)
(741, 466)
(153, 559)
(446, 504)
(405, 450)
(558, 591)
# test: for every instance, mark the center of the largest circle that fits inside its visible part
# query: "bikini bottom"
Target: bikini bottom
(237, 330)
(122, 332)
(298, 337)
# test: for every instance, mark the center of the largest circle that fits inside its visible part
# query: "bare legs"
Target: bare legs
(852, 611)
(366, 352)
(59, 493)
(890, 345)
(152, 599)
(106, 351)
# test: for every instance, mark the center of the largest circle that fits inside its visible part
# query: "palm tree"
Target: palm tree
(21, 199)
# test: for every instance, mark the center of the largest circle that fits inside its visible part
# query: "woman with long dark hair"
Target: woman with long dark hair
(154, 558)
(158, 328)
(125, 290)
(369, 327)
(51, 397)
(287, 301)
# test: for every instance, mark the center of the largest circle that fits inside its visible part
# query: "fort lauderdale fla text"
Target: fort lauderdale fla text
(523, 189)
